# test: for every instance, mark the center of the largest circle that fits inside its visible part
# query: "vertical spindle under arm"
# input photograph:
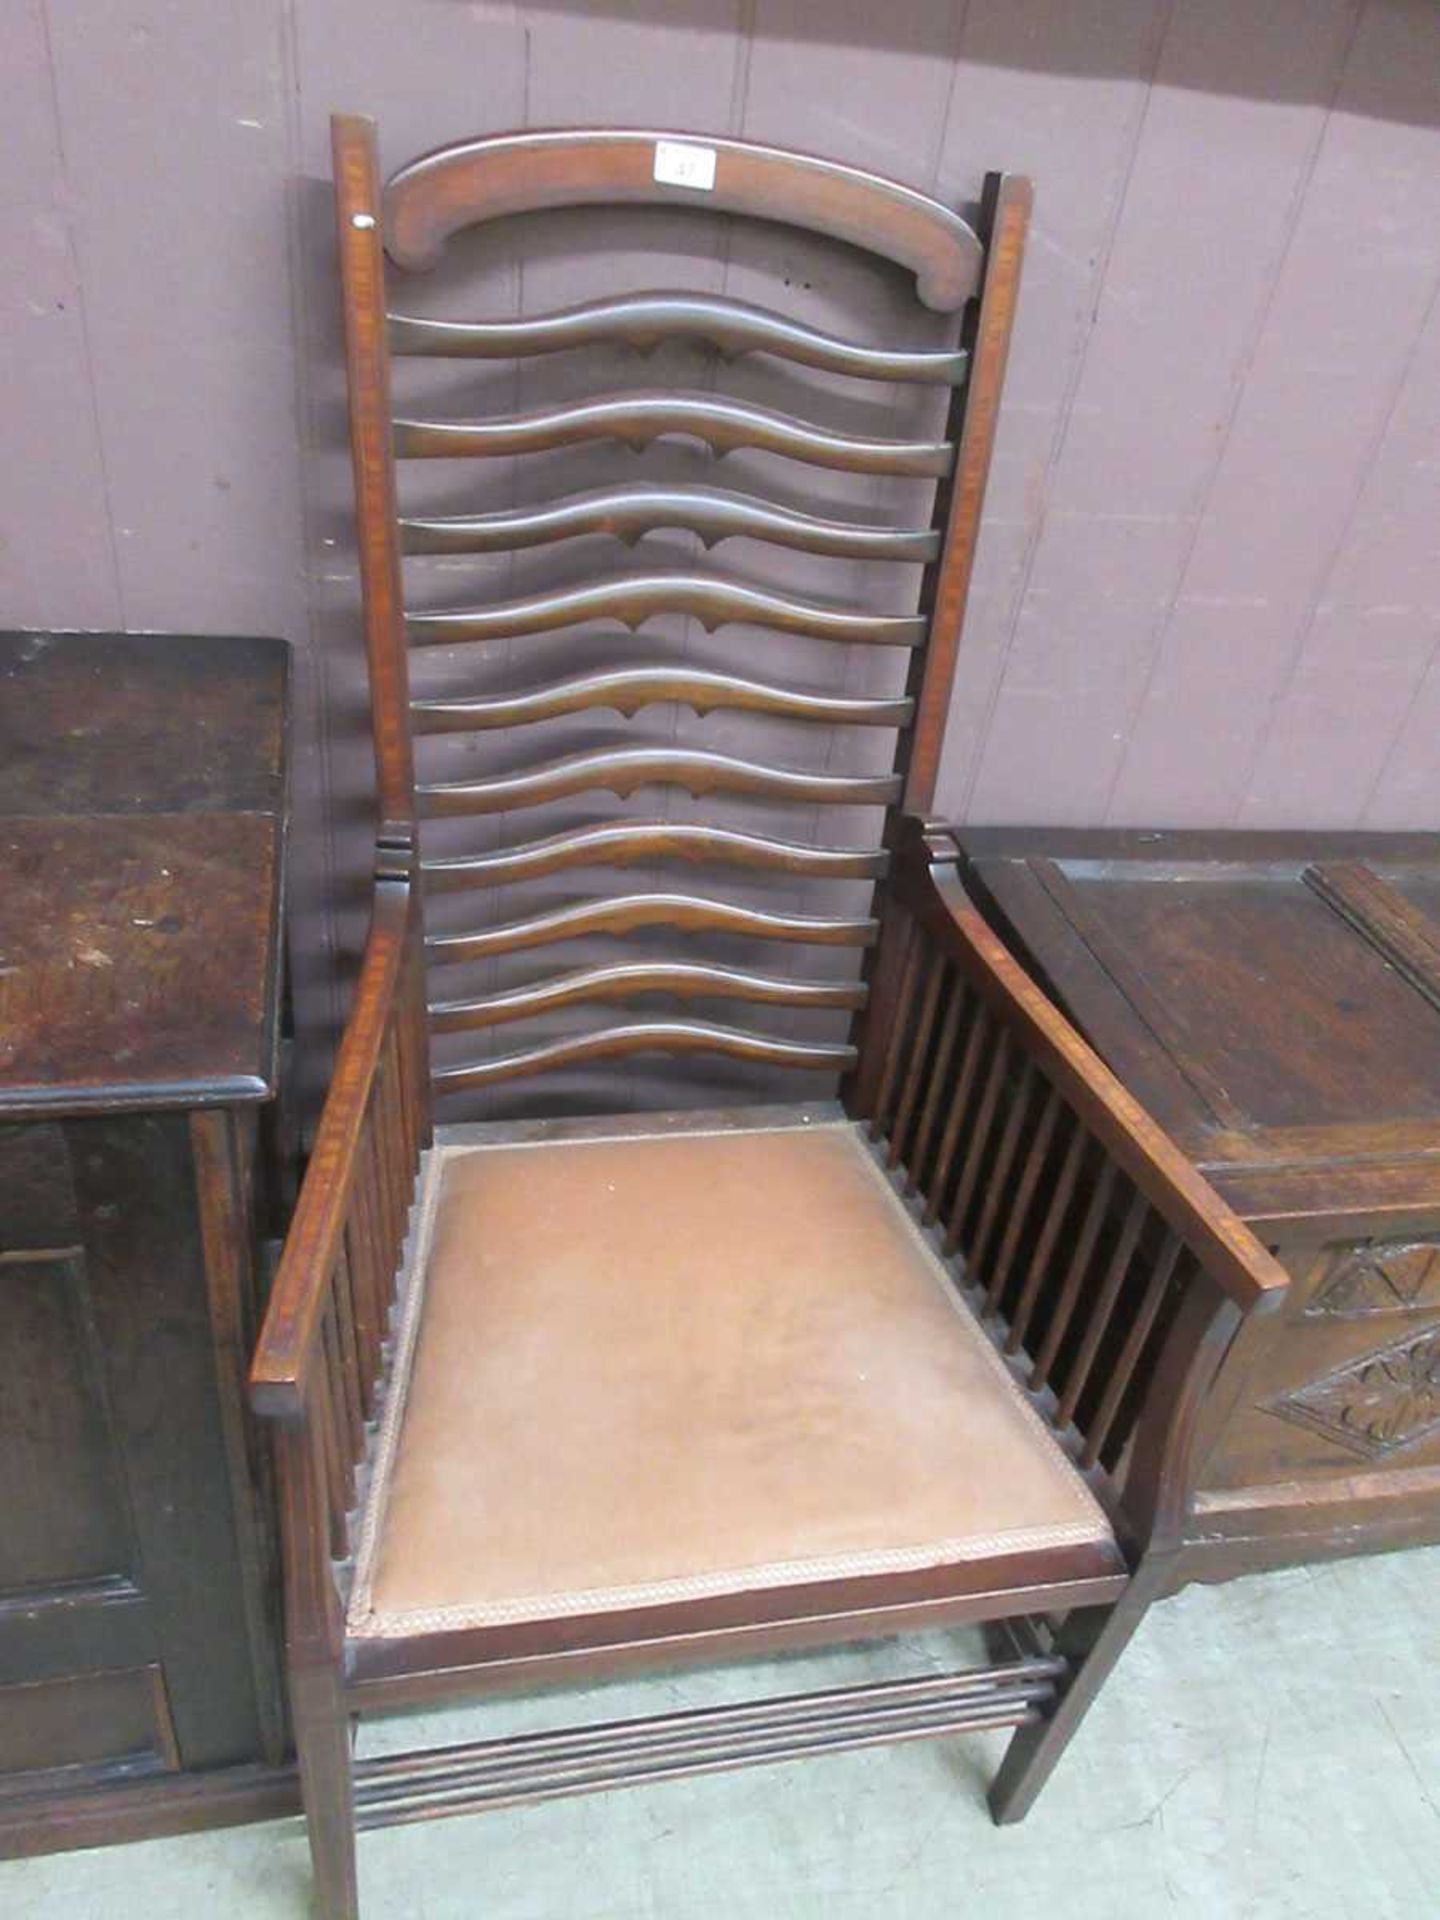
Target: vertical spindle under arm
(321, 1348)
(1135, 1277)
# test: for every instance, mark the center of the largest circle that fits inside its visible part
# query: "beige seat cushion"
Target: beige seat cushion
(681, 1364)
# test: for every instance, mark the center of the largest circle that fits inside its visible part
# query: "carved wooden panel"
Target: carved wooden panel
(1346, 1378)
(1381, 1278)
(1379, 1404)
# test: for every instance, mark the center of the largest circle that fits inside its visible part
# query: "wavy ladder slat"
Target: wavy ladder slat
(714, 603)
(648, 1036)
(622, 770)
(629, 911)
(629, 512)
(488, 179)
(645, 320)
(639, 418)
(629, 689)
(686, 981)
(630, 843)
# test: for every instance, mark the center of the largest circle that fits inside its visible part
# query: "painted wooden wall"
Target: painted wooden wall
(1209, 585)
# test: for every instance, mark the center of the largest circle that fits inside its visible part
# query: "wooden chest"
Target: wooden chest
(1274, 1000)
(142, 835)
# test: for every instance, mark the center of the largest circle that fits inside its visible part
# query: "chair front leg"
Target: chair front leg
(322, 1746)
(1092, 1639)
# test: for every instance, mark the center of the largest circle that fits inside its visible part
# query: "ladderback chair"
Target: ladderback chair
(562, 1397)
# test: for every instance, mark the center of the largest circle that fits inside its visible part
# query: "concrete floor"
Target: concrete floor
(1269, 1749)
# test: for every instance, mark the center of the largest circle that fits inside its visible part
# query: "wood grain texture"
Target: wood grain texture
(645, 321)
(435, 196)
(1408, 939)
(646, 1036)
(652, 840)
(627, 690)
(625, 770)
(685, 981)
(625, 912)
(637, 419)
(1195, 962)
(628, 512)
(633, 600)
(142, 828)
(357, 196)
(134, 1534)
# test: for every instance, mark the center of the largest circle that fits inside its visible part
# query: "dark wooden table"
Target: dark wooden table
(142, 838)
(1274, 1000)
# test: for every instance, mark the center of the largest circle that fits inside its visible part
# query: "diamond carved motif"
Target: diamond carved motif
(1379, 1279)
(1376, 1405)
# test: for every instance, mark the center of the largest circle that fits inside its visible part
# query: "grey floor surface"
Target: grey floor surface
(1271, 1749)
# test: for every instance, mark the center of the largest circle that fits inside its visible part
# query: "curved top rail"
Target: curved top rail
(474, 180)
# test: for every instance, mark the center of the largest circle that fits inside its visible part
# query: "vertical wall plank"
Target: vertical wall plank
(175, 150)
(57, 563)
(1071, 120)
(1374, 628)
(1184, 297)
(1336, 344)
(1404, 792)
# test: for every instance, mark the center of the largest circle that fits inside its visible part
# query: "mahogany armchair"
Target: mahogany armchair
(560, 1397)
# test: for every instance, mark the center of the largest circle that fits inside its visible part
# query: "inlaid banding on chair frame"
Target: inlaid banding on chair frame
(622, 770)
(639, 418)
(628, 844)
(682, 979)
(490, 179)
(690, 913)
(714, 603)
(629, 512)
(629, 689)
(644, 321)
(648, 1036)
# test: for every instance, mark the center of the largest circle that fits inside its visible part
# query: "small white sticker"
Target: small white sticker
(679, 165)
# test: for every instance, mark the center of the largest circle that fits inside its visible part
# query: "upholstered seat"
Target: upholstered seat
(683, 1362)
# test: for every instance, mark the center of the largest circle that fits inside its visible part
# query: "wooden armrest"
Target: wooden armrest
(288, 1339)
(1250, 1276)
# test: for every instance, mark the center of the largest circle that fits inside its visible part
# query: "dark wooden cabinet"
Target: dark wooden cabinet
(142, 835)
(1274, 1000)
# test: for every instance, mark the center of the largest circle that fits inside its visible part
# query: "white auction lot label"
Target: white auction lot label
(678, 164)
